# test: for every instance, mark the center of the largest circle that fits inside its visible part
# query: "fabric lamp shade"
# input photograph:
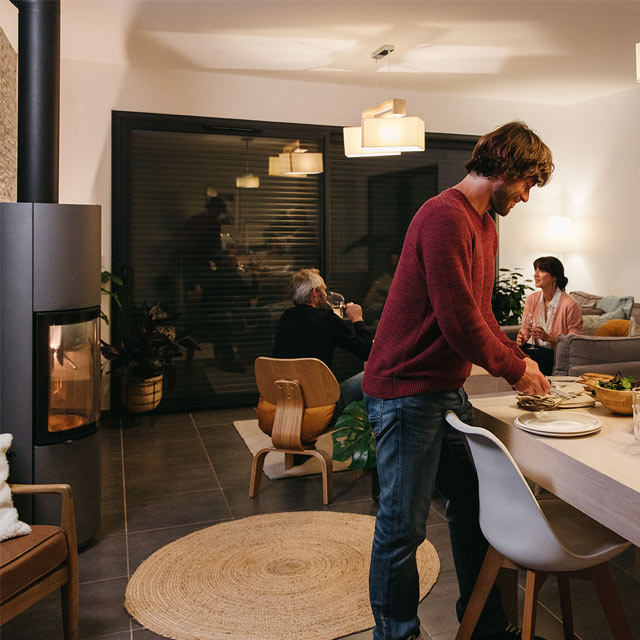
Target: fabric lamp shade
(352, 137)
(297, 163)
(394, 134)
(248, 181)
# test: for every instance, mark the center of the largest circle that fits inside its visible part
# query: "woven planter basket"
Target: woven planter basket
(140, 397)
(616, 401)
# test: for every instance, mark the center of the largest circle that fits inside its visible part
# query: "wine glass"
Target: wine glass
(530, 323)
(336, 302)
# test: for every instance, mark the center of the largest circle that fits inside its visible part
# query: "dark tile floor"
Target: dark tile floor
(192, 470)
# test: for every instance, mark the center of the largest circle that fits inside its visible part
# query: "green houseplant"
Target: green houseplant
(353, 438)
(146, 356)
(509, 293)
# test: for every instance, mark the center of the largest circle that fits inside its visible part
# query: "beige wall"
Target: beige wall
(595, 147)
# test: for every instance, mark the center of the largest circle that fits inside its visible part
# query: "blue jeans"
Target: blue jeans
(418, 451)
(350, 391)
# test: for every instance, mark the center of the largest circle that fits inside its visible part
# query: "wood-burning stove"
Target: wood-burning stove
(49, 355)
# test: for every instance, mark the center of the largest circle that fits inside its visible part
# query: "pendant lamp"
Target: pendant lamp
(385, 129)
(295, 161)
(248, 180)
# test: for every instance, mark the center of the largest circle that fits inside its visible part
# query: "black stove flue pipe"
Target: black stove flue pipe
(38, 99)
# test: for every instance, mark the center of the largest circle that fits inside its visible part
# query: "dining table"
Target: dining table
(598, 473)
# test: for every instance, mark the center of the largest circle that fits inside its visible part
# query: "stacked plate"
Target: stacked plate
(560, 425)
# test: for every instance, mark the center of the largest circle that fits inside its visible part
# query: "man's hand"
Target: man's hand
(353, 311)
(532, 381)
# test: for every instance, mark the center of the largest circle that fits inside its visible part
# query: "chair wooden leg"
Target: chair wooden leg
(565, 606)
(486, 578)
(534, 582)
(69, 595)
(288, 461)
(327, 473)
(256, 471)
(605, 586)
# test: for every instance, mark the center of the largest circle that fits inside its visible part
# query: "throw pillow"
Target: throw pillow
(591, 323)
(591, 311)
(611, 303)
(613, 328)
(634, 327)
(10, 526)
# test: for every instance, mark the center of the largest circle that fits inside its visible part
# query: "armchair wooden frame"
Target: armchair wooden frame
(294, 385)
(64, 576)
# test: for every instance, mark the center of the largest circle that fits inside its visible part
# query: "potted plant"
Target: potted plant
(145, 357)
(509, 293)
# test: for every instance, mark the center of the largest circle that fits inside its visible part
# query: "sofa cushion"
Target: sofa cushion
(590, 324)
(634, 327)
(591, 311)
(585, 299)
(614, 328)
(27, 559)
(577, 353)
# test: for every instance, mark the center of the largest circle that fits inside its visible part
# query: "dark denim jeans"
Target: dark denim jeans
(418, 451)
(350, 391)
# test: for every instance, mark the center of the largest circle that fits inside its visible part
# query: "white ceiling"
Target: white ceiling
(557, 52)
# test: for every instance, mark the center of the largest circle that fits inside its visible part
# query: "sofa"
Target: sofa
(577, 354)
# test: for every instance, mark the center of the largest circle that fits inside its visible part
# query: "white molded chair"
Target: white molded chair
(550, 537)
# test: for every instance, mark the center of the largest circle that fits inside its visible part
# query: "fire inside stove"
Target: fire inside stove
(69, 383)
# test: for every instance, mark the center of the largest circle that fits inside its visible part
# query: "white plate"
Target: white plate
(565, 425)
(582, 400)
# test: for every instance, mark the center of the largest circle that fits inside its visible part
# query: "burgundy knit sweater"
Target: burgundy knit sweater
(437, 318)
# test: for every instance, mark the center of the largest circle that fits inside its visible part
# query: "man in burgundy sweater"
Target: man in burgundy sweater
(436, 322)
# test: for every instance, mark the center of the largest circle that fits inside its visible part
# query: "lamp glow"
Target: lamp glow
(558, 233)
(638, 61)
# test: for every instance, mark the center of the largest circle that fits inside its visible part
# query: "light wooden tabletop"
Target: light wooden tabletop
(598, 473)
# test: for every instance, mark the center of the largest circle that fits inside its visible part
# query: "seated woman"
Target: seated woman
(548, 313)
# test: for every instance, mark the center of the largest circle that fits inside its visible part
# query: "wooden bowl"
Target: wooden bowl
(616, 401)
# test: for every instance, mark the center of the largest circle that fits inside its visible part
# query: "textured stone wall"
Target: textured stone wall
(8, 120)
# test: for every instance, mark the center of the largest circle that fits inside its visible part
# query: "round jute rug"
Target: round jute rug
(300, 574)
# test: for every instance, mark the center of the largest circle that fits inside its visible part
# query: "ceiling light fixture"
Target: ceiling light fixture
(295, 161)
(385, 129)
(248, 180)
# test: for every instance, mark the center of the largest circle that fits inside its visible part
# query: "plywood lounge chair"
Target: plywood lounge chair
(297, 400)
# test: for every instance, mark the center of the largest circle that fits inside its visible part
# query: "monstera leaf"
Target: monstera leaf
(353, 438)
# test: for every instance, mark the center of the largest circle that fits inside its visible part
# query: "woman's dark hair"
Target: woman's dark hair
(554, 267)
(514, 151)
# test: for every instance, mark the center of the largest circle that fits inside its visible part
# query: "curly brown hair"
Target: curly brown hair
(513, 151)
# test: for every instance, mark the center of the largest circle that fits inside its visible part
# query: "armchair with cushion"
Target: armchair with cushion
(34, 565)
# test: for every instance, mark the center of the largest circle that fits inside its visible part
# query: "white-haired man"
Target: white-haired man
(310, 329)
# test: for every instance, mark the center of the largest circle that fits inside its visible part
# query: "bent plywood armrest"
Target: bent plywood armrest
(34, 565)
